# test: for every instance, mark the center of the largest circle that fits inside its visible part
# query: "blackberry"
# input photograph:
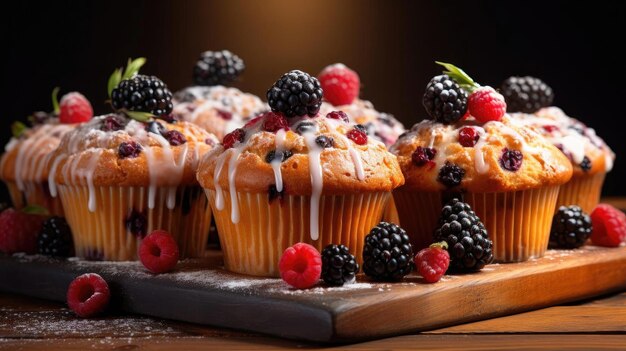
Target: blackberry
(217, 68)
(296, 93)
(113, 123)
(282, 155)
(422, 155)
(444, 100)
(451, 175)
(468, 241)
(136, 223)
(585, 165)
(143, 93)
(387, 254)
(338, 265)
(526, 94)
(324, 141)
(129, 149)
(571, 227)
(55, 238)
(511, 160)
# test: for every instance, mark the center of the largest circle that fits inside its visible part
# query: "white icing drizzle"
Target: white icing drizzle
(34, 151)
(317, 182)
(479, 158)
(565, 134)
(232, 171)
(88, 174)
(164, 170)
(219, 196)
(279, 141)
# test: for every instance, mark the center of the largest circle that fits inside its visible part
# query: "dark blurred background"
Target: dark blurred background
(391, 44)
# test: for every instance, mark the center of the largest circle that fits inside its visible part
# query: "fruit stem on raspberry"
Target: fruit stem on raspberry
(440, 245)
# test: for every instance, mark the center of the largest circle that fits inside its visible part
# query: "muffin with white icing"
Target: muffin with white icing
(211, 104)
(119, 179)
(293, 175)
(508, 173)
(23, 166)
(591, 158)
(122, 175)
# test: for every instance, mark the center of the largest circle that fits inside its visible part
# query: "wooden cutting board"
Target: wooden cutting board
(200, 292)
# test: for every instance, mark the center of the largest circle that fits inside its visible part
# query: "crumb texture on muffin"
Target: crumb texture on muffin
(503, 156)
(113, 150)
(25, 158)
(588, 153)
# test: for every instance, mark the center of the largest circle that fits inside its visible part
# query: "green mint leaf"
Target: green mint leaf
(459, 76)
(18, 128)
(55, 100)
(139, 116)
(114, 80)
(133, 67)
(36, 209)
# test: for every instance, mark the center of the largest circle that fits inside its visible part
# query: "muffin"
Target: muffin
(591, 158)
(295, 176)
(508, 173)
(23, 166)
(510, 176)
(209, 103)
(119, 179)
(341, 85)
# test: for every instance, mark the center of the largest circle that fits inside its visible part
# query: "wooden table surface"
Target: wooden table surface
(31, 324)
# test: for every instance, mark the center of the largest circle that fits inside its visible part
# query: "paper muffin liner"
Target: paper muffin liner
(266, 228)
(582, 190)
(104, 234)
(391, 212)
(518, 222)
(35, 193)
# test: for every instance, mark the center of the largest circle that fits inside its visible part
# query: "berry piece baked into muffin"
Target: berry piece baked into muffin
(23, 166)
(591, 158)
(210, 103)
(293, 175)
(508, 173)
(124, 174)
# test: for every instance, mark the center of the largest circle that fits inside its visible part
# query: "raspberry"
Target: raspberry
(511, 160)
(358, 136)
(174, 137)
(609, 226)
(225, 115)
(338, 115)
(296, 93)
(340, 83)
(130, 149)
(254, 121)
(74, 108)
(468, 137)
(88, 295)
(158, 252)
(423, 155)
(236, 136)
(432, 262)
(550, 128)
(274, 122)
(300, 266)
(485, 104)
(19, 231)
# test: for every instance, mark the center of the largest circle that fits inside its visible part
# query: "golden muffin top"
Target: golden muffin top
(470, 156)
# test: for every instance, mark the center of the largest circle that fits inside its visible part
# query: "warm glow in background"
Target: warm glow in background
(391, 44)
